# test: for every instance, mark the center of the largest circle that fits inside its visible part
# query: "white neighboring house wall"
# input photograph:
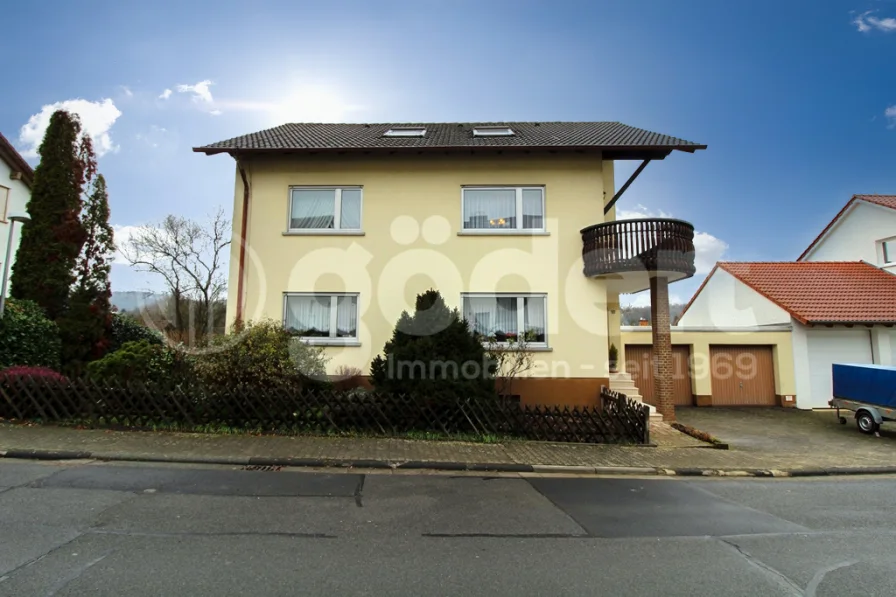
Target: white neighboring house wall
(815, 349)
(16, 195)
(857, 236)
(726, 302)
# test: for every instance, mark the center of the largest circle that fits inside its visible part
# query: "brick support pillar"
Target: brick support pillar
(662, 347)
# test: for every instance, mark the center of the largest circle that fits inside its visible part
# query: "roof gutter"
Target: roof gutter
(243, 231)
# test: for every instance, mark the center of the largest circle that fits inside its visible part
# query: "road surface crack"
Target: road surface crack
(359, 491)
(774, 574)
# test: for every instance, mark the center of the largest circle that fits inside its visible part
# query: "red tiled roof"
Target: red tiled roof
(822, 291)
(882, 200)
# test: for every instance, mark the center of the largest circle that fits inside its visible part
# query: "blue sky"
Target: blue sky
(791, 97)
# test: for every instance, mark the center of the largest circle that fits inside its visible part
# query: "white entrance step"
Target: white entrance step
(624, 384)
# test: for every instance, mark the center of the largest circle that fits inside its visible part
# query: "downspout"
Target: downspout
(243, 229)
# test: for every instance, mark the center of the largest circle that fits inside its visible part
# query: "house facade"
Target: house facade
(864, 230)
(337, 228)
(16, 177)
(837, 303)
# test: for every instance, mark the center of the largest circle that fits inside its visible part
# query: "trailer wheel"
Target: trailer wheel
(843, 420)
(866, 422)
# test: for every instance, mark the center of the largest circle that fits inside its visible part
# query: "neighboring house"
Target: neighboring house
(865, 229)
(788, 322)
(337, 227)
(16, 177)
(838, 312)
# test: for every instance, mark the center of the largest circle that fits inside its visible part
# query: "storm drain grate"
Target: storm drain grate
(261, 467)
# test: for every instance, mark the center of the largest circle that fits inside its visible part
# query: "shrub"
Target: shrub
(259, 354)
(143, 362)
(18, 406)
(12, 374)
(433, 354)
(127, 329)
(27, 337)
(348, 378)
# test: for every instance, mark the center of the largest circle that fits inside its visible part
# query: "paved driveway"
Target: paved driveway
(789, 431)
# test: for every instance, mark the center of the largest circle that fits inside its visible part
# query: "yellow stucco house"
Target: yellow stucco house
(337, 228)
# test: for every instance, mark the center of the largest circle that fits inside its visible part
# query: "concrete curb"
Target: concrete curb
(496, 467)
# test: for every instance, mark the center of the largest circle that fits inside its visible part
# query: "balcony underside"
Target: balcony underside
(632, 282)
(627, 253)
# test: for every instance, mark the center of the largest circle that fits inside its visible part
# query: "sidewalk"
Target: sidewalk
(675, 453)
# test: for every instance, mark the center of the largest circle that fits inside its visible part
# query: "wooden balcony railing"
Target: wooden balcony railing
(650, 244)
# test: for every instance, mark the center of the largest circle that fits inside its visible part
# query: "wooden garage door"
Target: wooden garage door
(639, 363)
(742, 376)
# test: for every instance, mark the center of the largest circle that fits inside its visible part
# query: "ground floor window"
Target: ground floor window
(506, 318)
(322, 318)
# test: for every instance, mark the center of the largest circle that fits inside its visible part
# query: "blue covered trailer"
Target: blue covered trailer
(867, 390)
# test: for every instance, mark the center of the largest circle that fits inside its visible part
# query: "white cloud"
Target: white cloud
(127, 91)
(707, 248)
(165, 94)
(200, 91)
(121, 235)
(97, 119)
(155, 137)
(865, 22)
(890, 113)
(216, 112)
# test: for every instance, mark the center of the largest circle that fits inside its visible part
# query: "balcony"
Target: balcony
(627, 252)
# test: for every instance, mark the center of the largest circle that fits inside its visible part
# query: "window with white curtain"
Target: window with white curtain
(322, 318)
(505, 317)
(324, 208)
(503, 209)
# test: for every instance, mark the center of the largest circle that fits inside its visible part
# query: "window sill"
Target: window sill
(503, 233)
(329, 342)
(528, 348)
(324, 233)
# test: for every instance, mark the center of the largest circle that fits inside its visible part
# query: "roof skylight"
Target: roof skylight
(493, 131)
(406, 132)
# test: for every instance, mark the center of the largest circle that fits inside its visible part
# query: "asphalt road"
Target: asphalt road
(97, 529)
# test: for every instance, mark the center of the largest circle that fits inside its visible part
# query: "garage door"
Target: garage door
(742, 376)
(827, 347)
(639, 363)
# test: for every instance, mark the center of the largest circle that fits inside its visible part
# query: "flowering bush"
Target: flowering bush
(11, 374)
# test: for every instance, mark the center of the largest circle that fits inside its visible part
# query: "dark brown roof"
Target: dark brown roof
(15, 161)
(881, 200)
(627, 141)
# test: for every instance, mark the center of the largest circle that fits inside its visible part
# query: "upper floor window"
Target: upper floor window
(406, 132)
(507, 318)
(889, 250)
(4, 203)
(322, 318)
(503, 209)
(493, 131)
(325, 208)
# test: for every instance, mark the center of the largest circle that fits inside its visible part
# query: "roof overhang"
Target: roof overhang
(20, 168)
(608, 152)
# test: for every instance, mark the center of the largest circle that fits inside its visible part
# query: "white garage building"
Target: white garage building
(838, 312)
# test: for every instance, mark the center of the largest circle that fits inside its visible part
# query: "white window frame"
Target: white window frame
(406, 132)
(519, 210)
(333, 340)
(520, 313)
(337, 211)
(493, 131)
(887, 257)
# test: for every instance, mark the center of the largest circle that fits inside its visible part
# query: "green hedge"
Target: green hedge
(27, 337)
